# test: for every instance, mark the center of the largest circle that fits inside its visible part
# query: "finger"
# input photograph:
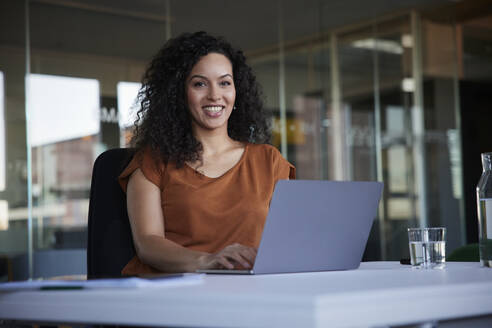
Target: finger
(240, 259)
(225, 263)
(249, 253)
(240, 254)
(252, 251)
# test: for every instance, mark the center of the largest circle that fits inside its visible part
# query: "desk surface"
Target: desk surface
(378, 293)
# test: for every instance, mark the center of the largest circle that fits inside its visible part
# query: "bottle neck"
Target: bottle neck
(487, 161)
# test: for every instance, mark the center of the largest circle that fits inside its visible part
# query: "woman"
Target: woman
(199, 187)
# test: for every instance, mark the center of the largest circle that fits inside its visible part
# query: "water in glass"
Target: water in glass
(429, 254)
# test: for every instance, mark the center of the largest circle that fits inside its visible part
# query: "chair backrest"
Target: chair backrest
(110, 244)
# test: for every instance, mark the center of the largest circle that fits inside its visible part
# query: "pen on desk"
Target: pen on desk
(61, 287)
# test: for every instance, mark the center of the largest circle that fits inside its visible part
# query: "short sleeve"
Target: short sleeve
(284, 169)
(146, 162)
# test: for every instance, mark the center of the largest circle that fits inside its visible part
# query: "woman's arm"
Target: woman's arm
(151, 245)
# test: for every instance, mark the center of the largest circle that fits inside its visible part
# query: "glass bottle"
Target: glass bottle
(484, 207)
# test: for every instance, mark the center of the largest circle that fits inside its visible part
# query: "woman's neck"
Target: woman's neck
(214, 142)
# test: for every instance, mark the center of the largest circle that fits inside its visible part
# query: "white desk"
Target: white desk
(378, 293)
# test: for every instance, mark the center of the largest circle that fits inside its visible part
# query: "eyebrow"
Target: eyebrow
(203, 77)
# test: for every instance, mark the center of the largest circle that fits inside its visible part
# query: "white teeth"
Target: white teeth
(213, 109)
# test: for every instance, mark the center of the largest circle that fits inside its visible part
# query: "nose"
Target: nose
(214, 93)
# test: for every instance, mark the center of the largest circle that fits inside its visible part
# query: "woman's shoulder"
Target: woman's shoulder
(151, 155)
(273, 159)
(264, 153)
(149, 162)
(264, 149)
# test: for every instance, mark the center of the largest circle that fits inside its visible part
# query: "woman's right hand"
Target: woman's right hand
(230, 257)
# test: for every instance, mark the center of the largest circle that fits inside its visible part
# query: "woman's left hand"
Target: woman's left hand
(230, 257)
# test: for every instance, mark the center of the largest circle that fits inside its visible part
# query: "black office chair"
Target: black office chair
(110, 244)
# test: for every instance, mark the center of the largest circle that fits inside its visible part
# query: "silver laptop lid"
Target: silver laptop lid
(317, 225)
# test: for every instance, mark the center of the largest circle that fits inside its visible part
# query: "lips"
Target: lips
(213, 110)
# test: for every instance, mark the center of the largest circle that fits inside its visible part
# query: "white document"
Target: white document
(133, 282)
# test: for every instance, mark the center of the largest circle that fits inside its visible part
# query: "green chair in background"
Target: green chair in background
(467, 253)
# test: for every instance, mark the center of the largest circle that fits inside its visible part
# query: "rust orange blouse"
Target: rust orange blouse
(207, 214)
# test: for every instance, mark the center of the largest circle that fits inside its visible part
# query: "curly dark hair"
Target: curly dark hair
(164, 121)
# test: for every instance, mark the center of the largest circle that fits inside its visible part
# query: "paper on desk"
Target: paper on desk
(133, 282)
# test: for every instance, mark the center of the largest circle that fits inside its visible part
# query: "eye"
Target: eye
(198, 84)
(225, 83)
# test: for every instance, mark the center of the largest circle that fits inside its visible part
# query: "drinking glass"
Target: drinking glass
(427, 247)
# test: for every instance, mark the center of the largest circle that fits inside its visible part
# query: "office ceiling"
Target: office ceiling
(254, 23)
(105, 27)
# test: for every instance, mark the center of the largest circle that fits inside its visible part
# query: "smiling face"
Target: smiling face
(210, 92)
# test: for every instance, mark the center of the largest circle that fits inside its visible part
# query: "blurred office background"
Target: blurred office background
(394, 91)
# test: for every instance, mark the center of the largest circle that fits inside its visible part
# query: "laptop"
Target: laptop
(315, 225)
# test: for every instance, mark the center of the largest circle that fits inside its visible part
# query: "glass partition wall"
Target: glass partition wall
(376, 114)
(355, 110)
(371, 100)
(74, 107)
(70, 83)
(13, 168)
